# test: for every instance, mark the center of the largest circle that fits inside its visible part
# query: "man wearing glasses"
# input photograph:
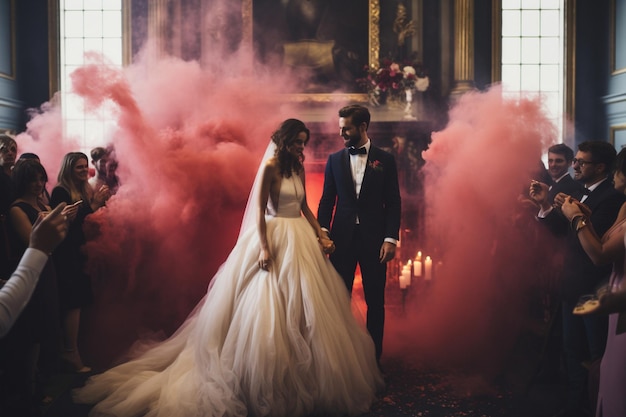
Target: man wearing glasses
(584, 337)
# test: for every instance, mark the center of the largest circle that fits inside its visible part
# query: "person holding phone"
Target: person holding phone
(75, 290)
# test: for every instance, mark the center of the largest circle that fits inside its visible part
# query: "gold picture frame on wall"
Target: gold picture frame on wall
(373, 47)
(7, 38)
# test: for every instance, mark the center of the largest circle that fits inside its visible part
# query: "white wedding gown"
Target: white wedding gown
(277, 343)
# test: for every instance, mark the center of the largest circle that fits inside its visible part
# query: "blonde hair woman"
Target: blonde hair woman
(74, 284)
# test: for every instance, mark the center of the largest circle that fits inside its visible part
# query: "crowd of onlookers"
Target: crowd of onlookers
(44, 337)
(585, 219)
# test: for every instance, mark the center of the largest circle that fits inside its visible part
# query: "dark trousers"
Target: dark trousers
(374, 275)
(584, 341)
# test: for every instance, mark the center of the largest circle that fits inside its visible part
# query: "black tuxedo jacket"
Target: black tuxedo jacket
(567, 185)
(377, 207)
(580, 275)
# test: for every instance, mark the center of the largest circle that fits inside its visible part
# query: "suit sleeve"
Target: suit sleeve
(329, 197)
(392, 200)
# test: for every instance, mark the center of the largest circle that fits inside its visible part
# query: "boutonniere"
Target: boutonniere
(376, 165)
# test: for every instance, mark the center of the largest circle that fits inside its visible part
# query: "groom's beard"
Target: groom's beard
(352, 140)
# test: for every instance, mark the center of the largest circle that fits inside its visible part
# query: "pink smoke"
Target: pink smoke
(488, 242)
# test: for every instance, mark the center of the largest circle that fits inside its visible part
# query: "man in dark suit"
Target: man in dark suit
(360, 206)
(584, 337)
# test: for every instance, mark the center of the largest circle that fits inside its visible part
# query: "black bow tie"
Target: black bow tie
(586, 191)
(355, 151)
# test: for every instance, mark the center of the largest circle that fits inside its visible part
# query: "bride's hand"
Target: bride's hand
(265, 260)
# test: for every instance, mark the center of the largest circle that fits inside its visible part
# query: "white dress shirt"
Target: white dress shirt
(16, 293)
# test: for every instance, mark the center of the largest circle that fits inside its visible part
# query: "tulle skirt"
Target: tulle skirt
(277, 343)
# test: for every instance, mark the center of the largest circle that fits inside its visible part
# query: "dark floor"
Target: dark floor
(409, 392)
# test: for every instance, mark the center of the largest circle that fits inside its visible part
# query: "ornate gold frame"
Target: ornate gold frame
(373, 59)
(11, 75)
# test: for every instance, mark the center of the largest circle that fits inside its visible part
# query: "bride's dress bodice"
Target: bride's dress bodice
(289, 199)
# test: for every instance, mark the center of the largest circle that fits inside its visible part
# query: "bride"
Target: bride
(274, 336)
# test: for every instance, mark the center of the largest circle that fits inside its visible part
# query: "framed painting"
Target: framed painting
(618, 136)
(325, 44)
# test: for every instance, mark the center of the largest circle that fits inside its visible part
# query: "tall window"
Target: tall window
(87, 25)
(533, 51)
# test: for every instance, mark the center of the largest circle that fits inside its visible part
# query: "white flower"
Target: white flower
(422, 83)
(408, 70)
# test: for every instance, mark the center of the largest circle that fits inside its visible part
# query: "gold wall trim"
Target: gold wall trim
(127, 32)
(496, 41)
(11, 75)
(54, 57)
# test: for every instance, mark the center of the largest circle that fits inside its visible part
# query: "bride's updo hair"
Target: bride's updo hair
(283, 138)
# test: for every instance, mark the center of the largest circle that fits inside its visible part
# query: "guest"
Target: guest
(46, 234)
(35, 335)
(611, 399)
(584, 337)
(99, 158)
(75, 290)
(361, 200)
(8, 153)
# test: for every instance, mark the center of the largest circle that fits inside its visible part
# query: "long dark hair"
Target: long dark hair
(24, 173)
(283, 138)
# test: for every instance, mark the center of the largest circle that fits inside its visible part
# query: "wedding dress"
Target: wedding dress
(277, 343)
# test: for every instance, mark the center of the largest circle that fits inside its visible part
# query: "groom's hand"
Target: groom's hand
(387, 252)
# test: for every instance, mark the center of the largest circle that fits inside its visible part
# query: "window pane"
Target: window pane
(112, 4)
(93, 24)
(73, 24)
(510, 77)
(530, 23)
(112, 49)
(72, 4)
(530, 78)
(93, 44)
(73, 51)
(511, 4)
(532, 4)
(511, 23)
(550, 78)
(550, 4)
(552, 102)
(93, 5)
(550, 23)
(550, 50)
(530, 50)
(511, 50)
(112, 24)
(73, 106)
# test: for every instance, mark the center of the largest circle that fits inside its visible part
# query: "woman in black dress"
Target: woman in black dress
(69, 258)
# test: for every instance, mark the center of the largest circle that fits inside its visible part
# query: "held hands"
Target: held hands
(328, 246)
(49, 230)
(71, 210)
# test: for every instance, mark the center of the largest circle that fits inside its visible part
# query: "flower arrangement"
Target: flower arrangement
(390, 81)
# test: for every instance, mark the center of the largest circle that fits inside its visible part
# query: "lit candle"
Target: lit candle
(418, 257)
(428, 269)
(405, 278)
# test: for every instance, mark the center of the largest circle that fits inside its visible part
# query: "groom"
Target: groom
(361, 189)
